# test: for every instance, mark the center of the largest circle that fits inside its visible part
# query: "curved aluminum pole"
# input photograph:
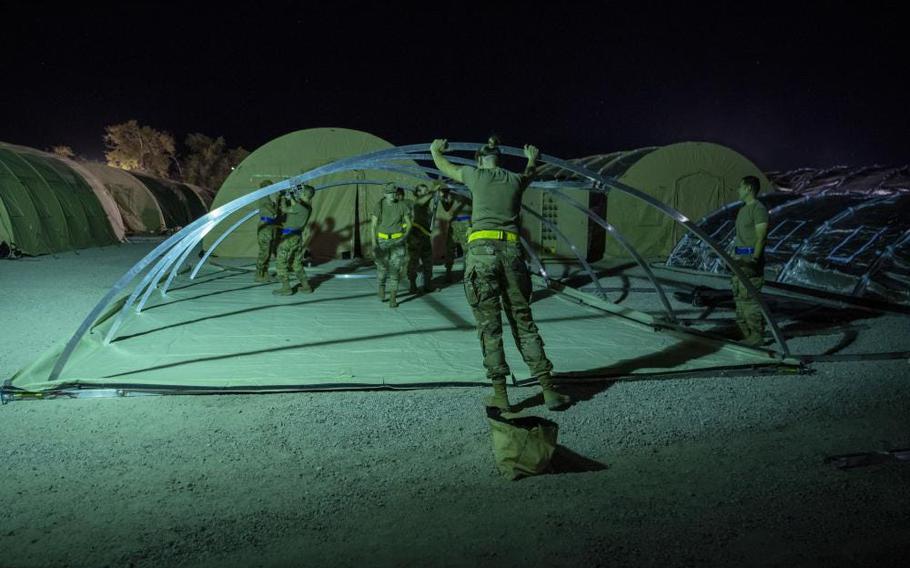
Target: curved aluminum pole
(164, 261)
(601, 293)
(215, 216)
(535, 258)
(220, 238)
(150, 282)
(625, 244)
(604, 181)
(236, 225)
(191, 241)
(364, 162)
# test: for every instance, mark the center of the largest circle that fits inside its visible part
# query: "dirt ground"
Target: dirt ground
(707, 471)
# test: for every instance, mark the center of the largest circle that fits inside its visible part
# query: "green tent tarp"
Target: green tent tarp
(337, 211)
(45, 206)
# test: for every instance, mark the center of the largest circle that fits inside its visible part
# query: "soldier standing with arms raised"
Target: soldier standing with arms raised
(297, 206)
(496, 276)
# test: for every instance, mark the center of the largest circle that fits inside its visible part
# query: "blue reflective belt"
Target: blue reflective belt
(745, 250)
(462, 218)
(291, 231)
(268, 220)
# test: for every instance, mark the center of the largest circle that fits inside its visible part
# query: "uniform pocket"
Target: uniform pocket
(478, 287)
(470, 287)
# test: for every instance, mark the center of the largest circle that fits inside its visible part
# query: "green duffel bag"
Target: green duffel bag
(522, 446)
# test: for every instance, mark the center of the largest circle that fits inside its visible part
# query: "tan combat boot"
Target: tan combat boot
(381, 293)
(261, 275)
(551, 397)
(392, 301)
(500, 397)
(304, 283)
(285, 289)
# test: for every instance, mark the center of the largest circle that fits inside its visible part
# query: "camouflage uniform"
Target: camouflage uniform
(749, 317)
(497, 279)
(289, 257)
(267, 232)
(459, 228)
(420, 247)
(389, 256)
(389, 253)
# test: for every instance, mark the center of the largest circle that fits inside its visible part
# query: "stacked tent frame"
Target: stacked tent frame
(841, 230)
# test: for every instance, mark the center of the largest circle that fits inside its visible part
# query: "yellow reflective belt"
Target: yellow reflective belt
(422, 229)
(388, 236)
(493, 235)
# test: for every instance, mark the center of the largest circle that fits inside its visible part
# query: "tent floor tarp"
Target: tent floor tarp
(224, 331)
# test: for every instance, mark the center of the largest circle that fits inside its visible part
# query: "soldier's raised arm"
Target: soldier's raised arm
(437, 148)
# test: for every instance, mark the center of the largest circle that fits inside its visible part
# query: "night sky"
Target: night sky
(790, 86)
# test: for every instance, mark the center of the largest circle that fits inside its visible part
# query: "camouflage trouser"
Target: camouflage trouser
(289, 257)
(457, 235)
(389, 257)
(497, 279)
(266, 237)
(420, 252)
(748, 314)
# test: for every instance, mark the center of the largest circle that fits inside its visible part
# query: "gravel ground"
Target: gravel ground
(709, 471)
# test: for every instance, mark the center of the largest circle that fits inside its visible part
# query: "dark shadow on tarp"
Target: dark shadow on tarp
(669, 358)
(206, 278)
(325, 241)
(320, 343)
(796, 317)
(235, 313)
(246, 286)
(542, 294)
(446, 312)
(315, 281)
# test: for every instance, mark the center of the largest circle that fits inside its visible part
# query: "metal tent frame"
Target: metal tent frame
(170, 254)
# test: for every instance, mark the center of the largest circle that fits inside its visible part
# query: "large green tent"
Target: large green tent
(337, 211)
(47, 207)
(138, 207)
(694, 178)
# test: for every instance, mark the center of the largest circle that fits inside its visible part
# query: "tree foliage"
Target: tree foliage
(208, 161)
(131, 146)
(63, 151)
